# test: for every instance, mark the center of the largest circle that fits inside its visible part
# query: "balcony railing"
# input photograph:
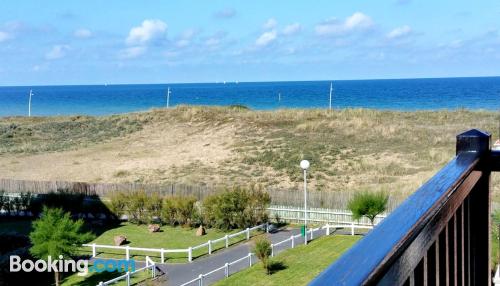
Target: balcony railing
(438, 236)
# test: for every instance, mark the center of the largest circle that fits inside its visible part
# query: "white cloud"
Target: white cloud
(356, 22)
(185, 38)
(271, 23)
(132, 52)
(225, 13)
(399, 32)
(266, 38)
(4, 36)
(292, 29)
(57, 52)
(82, 33)
(148, 31)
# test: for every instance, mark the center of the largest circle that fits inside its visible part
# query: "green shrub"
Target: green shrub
(262, 250)
(236, 208)
(153, 206)
(368, 204)
(118, 204)
(179, 210)
(136, 207)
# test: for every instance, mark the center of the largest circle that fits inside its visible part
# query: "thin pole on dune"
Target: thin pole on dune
(29, 103)
(168, 97)
(331, 92)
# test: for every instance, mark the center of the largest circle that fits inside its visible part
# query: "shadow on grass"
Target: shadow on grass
(275, 266)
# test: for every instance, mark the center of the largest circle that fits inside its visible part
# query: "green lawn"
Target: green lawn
(94, 278)
(167, 238)
(300, 264)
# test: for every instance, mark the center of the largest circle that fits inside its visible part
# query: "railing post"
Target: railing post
(249, 259)
(162, 255)
(127, 252)
(209, 247)
(190, 254)
(93, 250)
(272, 250)
(327, 229)
(293, 241)
(248, 233)
(352, 228)
(200, 280)
(312, 232)
(128, 278)
(267, 227)
(479, 142)
(227, 241)
(226, 270)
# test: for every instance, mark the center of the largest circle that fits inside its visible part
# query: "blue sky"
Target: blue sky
(94, 42)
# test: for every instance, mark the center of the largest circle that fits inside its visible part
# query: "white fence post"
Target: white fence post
(162, 255)
(248, 233)
(200, 280)
(226, 269)
(293, 241)
(101, 283)
(327, 229)
(496, 278)
(209, 247)
(93, 250)
(190, 254)
(127, 252)
(267, 227)
(352, 228)
(128, 278)
(312, 231)
(249, 259)
(227, 241)
(272, 250)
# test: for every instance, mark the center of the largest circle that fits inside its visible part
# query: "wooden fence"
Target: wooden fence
(288, 197)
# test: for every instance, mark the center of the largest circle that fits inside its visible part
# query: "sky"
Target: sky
(120, 42)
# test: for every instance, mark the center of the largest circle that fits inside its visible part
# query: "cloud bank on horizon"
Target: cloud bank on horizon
(191, 41)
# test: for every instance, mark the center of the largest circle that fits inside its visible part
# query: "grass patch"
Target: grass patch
(296, 266)
(94, 278)
(168, 238)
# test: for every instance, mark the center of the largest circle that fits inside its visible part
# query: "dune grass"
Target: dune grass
(355, 149)
(297, 266)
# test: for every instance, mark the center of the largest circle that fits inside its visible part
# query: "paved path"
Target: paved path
(178, 274)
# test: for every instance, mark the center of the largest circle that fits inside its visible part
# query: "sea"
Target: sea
(387, 94)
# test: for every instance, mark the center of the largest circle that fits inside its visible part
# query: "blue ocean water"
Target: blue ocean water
(397, 94)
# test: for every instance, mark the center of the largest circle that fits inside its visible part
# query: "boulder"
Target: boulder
(120, 240)
(200, 231)
(154, 228)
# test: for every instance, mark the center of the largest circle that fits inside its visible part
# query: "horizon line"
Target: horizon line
(233, 82)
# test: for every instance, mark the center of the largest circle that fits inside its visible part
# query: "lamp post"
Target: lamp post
(304, 164)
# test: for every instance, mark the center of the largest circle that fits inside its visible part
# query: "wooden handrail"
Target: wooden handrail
(429, 237)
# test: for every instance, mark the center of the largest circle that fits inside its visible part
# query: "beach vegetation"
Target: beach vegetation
(368, 204)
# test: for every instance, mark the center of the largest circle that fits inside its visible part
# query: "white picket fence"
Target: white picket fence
(189, 251)
(319, 215)
(150, 265)
(293, 239)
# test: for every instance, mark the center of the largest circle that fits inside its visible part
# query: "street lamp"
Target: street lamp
(304, 164)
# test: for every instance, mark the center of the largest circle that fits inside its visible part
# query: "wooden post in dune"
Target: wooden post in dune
(29, 103)
(331, 91)
(168, 97)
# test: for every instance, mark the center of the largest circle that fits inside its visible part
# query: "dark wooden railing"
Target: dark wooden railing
(438, 236)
